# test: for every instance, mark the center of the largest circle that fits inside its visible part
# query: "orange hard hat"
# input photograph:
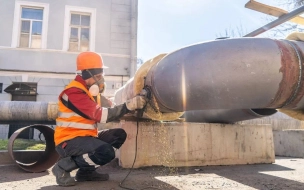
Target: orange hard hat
(89, 60)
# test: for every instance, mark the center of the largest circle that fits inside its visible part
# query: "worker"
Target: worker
(78, 142)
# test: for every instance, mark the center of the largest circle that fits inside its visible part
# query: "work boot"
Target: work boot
(90, 174)
(62, 171)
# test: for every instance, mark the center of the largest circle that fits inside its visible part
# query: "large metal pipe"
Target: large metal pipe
(241, 73)
(226, 116)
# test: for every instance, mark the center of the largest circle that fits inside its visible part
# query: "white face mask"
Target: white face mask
(94, 90)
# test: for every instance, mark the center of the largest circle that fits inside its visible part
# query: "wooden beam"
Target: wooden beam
(273, 11)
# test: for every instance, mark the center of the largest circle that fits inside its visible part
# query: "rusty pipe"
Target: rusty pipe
(27, 112)
(226, 116)
(47, 159)
(240, 73)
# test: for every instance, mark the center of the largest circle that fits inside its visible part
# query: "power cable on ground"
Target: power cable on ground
(121, 183)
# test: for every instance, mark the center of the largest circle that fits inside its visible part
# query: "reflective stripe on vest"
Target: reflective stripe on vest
(67, 115)
(75, 125)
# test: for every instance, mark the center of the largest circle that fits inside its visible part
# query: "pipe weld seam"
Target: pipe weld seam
(289, 101)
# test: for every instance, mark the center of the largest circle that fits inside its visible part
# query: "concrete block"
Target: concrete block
(278, 121)
(175, 144)
(289, 143)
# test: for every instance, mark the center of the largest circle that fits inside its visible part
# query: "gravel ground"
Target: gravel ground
(285, 173)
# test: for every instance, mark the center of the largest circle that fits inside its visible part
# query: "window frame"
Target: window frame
(17, 22)
(31, 27)
(79, 27)
(69, 10)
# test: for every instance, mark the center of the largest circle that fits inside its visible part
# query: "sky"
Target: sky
(167, 25)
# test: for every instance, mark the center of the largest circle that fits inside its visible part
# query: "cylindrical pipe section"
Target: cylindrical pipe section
(48, 158)
(28, 111)
(226, 116)
(240, 73)
(125, 92)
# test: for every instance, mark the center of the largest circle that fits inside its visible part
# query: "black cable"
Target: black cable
(120, 184)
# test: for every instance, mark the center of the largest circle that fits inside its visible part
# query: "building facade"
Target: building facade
(40, 40)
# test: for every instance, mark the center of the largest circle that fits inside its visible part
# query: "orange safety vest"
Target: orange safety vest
(68, 123)
(98, 99)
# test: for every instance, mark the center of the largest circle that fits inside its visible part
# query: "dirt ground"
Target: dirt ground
(285, 173)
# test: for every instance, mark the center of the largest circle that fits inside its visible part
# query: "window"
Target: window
(31, 27)
(79, 29)
(22, 88)
(79, 32)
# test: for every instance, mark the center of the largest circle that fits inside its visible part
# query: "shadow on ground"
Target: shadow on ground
(286, 173)
(11, 173)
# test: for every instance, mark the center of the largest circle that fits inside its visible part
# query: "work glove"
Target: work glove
(138, 102)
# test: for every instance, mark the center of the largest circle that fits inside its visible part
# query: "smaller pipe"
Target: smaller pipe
(276, 22)
(226, 115)
(47, 159)
(28, 111)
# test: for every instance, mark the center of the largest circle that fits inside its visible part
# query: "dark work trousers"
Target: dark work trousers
(89, 152)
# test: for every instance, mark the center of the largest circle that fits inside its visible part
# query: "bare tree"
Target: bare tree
(278, 32)
(285, 28)
(298, 3)
(140, 61)
(293, 3)
(238, 31)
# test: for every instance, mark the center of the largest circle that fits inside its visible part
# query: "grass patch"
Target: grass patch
(23, 144)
